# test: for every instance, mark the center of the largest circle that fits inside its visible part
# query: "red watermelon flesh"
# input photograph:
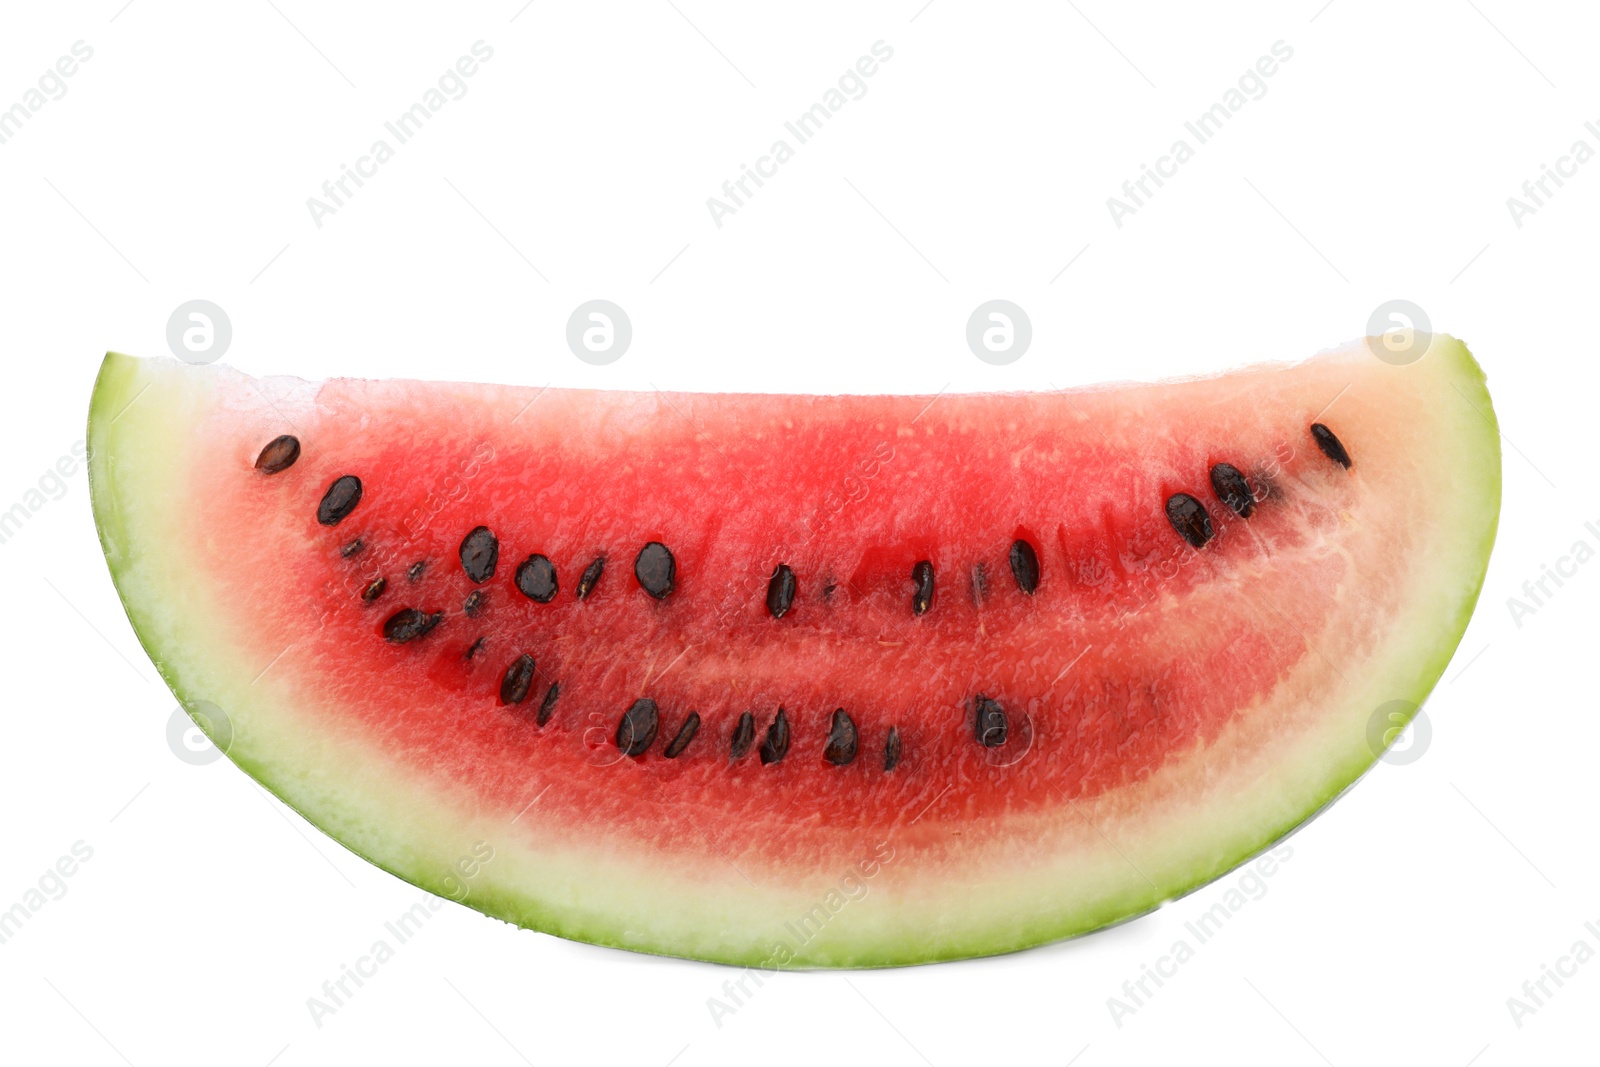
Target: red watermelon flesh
(1037, 672)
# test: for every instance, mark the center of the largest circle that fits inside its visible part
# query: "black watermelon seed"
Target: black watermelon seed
(637, 729)
(744, 733)
(1025, 566)
(656, 570)
(476, 646)
(548, 706)
(842, 739)
(408, 624)
(518, 680)
(891, 749)
(922, 576)
(375, 590)
(480, 552)
(775, 745)
(686, 732)
(473, 605)
(1331, 446)
(780, 591)
(340, 500)
(828, 589)
(1190, 518)
(536, 578)
(1232, 489)
(351, 549)
(989, 723)
(414, 572)
(279, 455)
(591, 575)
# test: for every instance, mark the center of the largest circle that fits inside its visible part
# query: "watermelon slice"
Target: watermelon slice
(798, 680)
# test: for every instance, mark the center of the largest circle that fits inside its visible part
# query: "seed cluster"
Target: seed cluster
(655, 567)
(1192, 521)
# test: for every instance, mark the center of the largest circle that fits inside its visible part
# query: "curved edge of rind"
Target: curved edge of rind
(114, 392)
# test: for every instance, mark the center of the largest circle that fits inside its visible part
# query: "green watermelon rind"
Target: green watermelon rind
(1410, 674)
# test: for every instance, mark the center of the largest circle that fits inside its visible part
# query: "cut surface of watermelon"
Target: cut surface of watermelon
(802, 680)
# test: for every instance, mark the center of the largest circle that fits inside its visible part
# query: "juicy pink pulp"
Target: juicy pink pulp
(1135, 649)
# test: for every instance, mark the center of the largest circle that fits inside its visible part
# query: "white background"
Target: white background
(1377, 165)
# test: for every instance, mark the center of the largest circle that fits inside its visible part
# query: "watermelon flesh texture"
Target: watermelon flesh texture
(1165, 711)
